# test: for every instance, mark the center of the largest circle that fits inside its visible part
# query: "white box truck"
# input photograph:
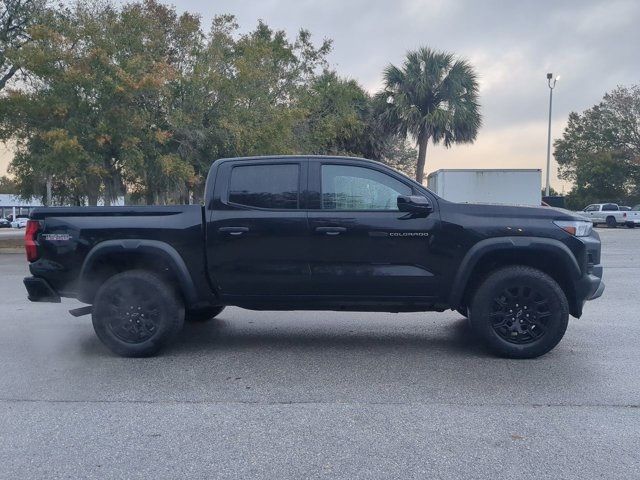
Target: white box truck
(497, 186)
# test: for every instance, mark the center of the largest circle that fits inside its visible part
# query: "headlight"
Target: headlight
(579, 228)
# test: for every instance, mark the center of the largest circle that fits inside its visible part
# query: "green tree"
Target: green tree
(338, 119)
(600, 177)
(17, 17)
(8, 185)
(102, 81)
(433, 97)
(609, 131)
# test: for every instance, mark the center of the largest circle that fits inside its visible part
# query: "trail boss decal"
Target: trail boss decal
(55, 237)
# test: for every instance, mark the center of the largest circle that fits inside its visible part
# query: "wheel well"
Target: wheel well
(550, 263)
(112, 263)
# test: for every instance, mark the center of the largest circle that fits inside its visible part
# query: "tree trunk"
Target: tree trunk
(93, 200)
(423, 141)
(49, 182)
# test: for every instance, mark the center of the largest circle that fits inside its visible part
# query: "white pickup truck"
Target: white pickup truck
(611, 215)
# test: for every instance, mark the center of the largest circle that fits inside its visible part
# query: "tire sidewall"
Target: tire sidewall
(509, 277)
(170, 320)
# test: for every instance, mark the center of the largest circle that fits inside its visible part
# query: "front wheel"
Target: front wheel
(135, 313)
(519, 312)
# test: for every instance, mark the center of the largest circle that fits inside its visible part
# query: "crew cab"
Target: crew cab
(315, 233)
(611, 215)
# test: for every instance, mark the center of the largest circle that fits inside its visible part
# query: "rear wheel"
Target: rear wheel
(203, 314)
(611, 222)
(519, 312)
(135, 313)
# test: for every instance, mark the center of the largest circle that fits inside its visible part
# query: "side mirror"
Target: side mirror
(414, 204)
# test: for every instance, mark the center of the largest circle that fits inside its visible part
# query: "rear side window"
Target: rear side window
(265, 186)
(610, 207)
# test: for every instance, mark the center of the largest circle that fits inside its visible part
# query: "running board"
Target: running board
(78, 312)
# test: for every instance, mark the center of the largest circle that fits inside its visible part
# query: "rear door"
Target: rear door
(257, 230)
(360, 244)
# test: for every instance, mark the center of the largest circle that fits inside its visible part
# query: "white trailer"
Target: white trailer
(497, 186)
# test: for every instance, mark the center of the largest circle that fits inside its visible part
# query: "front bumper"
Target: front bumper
(39, 290)
(596, 285)
(590, 286)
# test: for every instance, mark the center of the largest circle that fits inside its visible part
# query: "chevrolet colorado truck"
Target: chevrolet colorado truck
(315, 233)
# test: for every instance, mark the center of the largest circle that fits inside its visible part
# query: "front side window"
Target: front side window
(591, 208)
(346, 187)
(265, 186)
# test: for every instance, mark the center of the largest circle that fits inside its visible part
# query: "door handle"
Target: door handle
(235, 231)
(331, 230)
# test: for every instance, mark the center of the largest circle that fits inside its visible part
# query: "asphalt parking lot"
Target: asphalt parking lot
(322, 394)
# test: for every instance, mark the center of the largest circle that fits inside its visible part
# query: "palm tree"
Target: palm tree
(434, 96)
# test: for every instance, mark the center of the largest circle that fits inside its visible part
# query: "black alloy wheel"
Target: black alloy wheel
(136, 313)
(519, 312)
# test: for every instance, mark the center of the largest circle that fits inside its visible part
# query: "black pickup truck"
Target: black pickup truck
(316, 233)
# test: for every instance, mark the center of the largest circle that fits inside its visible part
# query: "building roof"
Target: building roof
(8, 200)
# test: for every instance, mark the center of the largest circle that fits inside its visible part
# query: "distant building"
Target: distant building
(14, 205)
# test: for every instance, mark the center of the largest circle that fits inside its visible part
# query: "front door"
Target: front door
(257, 231)
(361, 245)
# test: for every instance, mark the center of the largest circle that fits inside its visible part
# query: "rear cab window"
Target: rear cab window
(610, 207)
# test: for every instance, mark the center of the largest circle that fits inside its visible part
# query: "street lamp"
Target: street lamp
(552, 84)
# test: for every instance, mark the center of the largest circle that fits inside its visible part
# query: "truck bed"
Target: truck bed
(69, 234)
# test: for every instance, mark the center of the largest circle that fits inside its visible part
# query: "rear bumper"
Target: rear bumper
(39, 290)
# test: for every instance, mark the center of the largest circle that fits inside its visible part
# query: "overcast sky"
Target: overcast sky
(593, 45)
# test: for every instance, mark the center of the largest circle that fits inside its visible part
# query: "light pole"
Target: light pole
(552, 84)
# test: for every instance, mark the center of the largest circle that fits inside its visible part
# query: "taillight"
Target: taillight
(30, 240)
(624, 215)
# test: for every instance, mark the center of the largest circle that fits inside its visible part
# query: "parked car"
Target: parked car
(624, 208)
(20, 222)
(4, 223)
(608, 214)
(633, 217)
(316, 233)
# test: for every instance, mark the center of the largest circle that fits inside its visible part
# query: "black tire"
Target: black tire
(135, 313)
(611, 222)
(631, 225)
(519, 312)
(203, 315)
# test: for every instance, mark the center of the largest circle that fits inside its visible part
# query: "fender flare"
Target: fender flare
(155, 247)
(491, 245)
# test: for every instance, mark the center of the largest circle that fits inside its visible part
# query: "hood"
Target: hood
(514, 211)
